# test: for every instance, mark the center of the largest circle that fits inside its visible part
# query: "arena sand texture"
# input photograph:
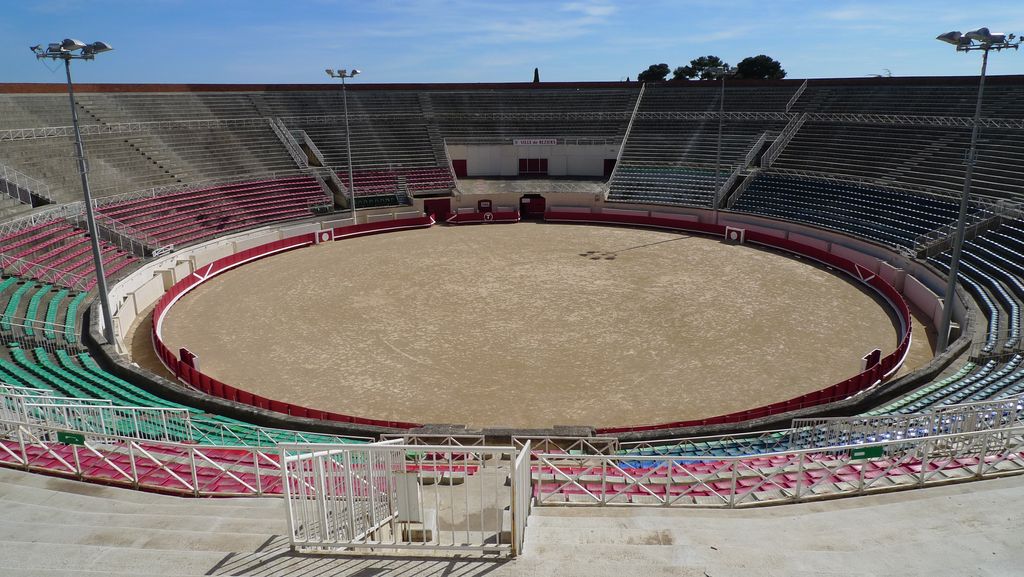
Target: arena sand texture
(530, 325)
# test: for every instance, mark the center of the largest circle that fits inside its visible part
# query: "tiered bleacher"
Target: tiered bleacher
(59, 252)
(669, 157)
(194, 215)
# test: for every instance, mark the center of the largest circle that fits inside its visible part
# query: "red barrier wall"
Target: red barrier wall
(482, 218)
(212, 386)
(839, 391)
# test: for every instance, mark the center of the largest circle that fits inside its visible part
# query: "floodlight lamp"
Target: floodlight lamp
(98, 47)
(71, 45)
(354, 72)
(984, 36)
(330, 72)
(342, 72)
(955, 37)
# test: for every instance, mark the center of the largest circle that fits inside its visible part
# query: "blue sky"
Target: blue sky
(292, 41)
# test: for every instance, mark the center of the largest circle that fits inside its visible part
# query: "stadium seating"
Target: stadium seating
(194, 215)
(56, 251)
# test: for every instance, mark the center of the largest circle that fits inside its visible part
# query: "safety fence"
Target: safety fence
(776, 478)
(178, 468)
(407, 496)
(183, 370)
(868, 378)
(963, 418)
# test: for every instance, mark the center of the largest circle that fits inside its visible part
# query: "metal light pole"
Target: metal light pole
(66, 51)
(343, 74)
(980, 39)
(719, 72)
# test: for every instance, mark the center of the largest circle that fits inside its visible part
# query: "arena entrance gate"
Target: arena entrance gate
(439, 208)
(392, 496)
(532, 206)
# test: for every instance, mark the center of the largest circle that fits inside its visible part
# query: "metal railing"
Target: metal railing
(22, 187)
(289, 142)
(406, 496)
(984, 210)
(140, 423)
(776, 478)
(186, 469)
(625, 135)
(782, 140)
(22, 267)
(796, 96)
(964, 418)
(130, 127)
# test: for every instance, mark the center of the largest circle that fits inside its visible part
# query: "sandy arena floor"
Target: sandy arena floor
(531, 325)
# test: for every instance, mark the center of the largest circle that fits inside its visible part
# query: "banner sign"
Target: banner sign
(534, 141)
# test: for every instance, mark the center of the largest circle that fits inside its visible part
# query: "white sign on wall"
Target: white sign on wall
(534, 141)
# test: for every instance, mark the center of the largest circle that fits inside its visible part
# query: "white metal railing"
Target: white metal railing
(625, 135)
(984, 209)
(130, 127)
(963, 418)
(142, 423)
(156, 465)
(775, 478)
(22, 267)
(521, 483)
(782, 140)
(796, 95)
(406, 496)
(21, 186)
(289, 142)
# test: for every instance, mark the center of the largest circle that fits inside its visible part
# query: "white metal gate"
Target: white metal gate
(395, 496)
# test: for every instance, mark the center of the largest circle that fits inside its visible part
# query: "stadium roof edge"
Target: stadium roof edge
(50, 88)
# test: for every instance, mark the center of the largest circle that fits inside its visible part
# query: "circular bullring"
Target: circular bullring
(530, 326)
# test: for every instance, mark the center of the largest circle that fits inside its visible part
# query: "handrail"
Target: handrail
(796, 95)
(625, 135)
(782, 140)
(289, 142)
(22, 182)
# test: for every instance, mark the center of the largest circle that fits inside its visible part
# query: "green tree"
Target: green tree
(654, 73)
(699, 68)
(760, 67)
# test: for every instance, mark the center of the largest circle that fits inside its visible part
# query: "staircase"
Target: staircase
(436, 140)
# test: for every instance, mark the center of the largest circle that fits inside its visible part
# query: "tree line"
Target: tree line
(760, 67)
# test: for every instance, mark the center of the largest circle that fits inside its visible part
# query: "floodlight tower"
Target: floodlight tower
(980, 39)
(343, 74)
(67, 50)
(721, 72)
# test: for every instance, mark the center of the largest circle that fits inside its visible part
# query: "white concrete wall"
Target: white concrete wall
(563, 159)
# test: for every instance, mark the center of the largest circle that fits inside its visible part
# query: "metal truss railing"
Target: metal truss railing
(625, 135)
(571, 445)
(155, 465)
(962, 418)
(914, 120)
(289, 142)
(22, 267)
(782, 140)
(131, 127)
(775, 478)
(695, 115)
(62, 211)
(985, 210)
(21, 186)
(796, 96)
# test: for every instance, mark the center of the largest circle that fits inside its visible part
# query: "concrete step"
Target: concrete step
(129, 538)
(199, 520)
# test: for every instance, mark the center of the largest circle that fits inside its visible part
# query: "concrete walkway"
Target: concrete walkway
(53, 527)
